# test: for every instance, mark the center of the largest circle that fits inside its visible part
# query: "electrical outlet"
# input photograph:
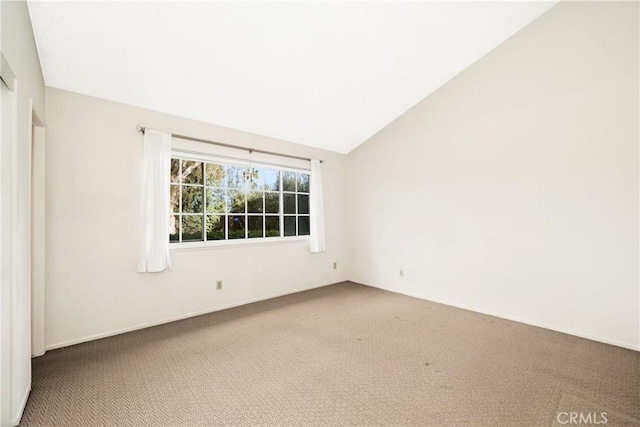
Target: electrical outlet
(335, 265)
(401, 273)
(219, 284)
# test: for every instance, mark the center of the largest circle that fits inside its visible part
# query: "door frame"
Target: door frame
(37, 209)
(8, 247)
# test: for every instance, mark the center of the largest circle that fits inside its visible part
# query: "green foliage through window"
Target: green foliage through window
(214, 201)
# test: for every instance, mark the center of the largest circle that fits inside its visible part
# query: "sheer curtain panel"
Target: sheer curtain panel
(316, 206)
(154, 203)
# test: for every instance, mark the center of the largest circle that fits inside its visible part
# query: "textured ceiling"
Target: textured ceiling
(325, 74)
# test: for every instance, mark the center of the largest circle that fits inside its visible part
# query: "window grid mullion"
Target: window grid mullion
(295, 196)
(180, 200)
(226, 208)
(281, 207)
(204, 202)
(246, 206)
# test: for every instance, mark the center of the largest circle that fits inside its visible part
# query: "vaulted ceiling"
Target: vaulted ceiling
(324, 74)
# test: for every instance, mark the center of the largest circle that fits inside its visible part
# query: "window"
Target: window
(214, 201)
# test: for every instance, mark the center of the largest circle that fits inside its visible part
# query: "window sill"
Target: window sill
(240, 243)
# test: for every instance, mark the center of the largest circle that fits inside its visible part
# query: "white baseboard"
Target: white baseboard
(23, 404)
(181, 317)
(38, 354)
(512, 318)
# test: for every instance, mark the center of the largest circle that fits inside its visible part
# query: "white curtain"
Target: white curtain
(316, 207)
(154, 203)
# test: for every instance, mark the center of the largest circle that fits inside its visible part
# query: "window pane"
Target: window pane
(272, 226)
(191, 172)
(235, 176)
(256, 179)
(289, 225)
(303, 204)
(255, 202)
(174, 198)
(271, 180)
(215, 227)
(236, 224)
(289, 201)
(192, 199)
(175, 170)
(191, 228)
(272, 202)
(255, 226)
(289, 181)
(215, 175)
(303, 183)
(174, 228)
(215, 200)
(303, 226)
(235, 201)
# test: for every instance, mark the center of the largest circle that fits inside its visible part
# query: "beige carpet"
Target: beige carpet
(341, 355)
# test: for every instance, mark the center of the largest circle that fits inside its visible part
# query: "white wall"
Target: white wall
(513, 189)
(18, 47)
(93, 159)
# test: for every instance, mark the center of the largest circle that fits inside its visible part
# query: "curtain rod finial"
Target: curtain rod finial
(141, 129)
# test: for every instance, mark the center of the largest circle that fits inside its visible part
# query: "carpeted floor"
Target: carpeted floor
(340, 355)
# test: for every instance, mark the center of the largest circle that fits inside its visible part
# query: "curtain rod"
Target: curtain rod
(142, 129)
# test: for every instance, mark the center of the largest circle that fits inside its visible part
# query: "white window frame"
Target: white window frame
(246, 241)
